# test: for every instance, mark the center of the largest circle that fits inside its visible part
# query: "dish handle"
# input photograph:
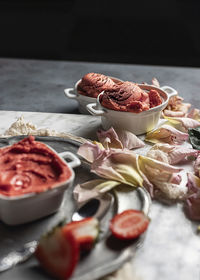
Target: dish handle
(92, 110)
(70, 93)
(70, 156)
(169, 90)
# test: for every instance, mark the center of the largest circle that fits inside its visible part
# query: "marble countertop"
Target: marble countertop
(171, 249)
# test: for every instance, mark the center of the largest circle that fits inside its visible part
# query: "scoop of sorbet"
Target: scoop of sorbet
(30, 167)
(127, 96)
(92, 84)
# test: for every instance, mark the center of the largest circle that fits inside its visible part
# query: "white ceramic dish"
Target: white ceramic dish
(83, 100)
(137, 123)
(29, 207)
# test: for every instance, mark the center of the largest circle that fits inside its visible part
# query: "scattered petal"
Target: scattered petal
(167, 134)
(193, 183)
(197, 166)
(169, 113)
(118, 165)
(192, 203)
(176, 104)
(155, 82)
(109, 139)
(91, 189)
(130, 140)
(185, 122)
(159, 152)
(194, 114)
(156, 166)
(90, 151)
(167, 180)
(171, 154)
(119, 139)
(184, 107)
(170, 190)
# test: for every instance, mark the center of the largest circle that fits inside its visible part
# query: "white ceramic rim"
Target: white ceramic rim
(57, 187)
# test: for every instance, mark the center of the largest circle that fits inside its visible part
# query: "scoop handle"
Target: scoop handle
(70, 93)
(74, 160)
(170, 91)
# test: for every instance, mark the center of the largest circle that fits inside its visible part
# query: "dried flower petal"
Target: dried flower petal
(91, 189)
(155, 82)
(129, 140)
(90, 151)
(171, 154)
(197, 166)
(186, 123)
(119, 139)
(176, 104)
(166, 180)
(118, 165)
(192, 203)
(109, 139)
(169, 113)
(194, 114)
(166, 134)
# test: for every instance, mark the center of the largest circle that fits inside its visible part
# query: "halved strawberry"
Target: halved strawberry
(129, 224)
(58, 253)
(85, 231)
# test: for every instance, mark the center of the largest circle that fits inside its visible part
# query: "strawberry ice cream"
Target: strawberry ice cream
(30, 167)
(118, 95)
(130, 97)
(92, 84)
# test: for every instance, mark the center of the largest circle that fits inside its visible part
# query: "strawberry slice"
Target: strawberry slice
(85, 231)
(129, 224)
(58, 253)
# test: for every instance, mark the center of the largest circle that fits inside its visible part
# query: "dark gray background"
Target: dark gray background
(130, 31)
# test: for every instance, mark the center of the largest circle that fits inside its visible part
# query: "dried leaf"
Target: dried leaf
(194, 136)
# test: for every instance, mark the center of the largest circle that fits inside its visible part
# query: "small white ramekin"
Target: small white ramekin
(137, 123)
(22, 209)
(83, 100)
